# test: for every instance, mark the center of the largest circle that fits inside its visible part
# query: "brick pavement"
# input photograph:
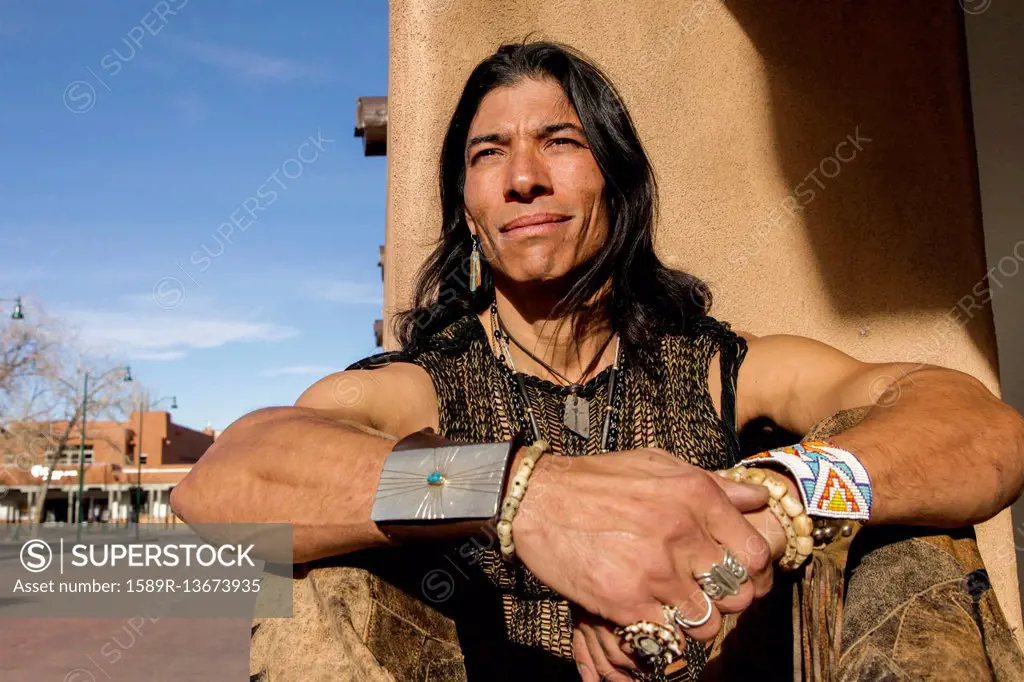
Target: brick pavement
(119, 650)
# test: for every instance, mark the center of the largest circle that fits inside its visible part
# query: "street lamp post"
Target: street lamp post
(81, 446)
(143, 408)
(81, 459)
(18, 313)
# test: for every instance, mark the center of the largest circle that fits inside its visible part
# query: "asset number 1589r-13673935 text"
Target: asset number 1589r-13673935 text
(194, 585)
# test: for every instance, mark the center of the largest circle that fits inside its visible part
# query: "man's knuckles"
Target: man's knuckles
(756, 554)
(661, 570)
(759, 565)
(763, 584)
(698, 488)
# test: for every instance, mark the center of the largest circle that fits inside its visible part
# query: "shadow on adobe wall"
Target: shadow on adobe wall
(897, 227)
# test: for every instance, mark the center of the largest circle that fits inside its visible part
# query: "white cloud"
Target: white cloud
(321, 370)
(357, 293)
(169, 332)
(248, 65)
(158, 355)
(146, 300)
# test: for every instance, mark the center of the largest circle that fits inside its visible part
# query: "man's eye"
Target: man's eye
(560, 140)
(484, 152)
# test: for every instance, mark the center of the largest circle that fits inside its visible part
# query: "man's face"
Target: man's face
(534, 194)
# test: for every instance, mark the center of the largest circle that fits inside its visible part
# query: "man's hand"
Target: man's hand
(624, 533)
(598, 651)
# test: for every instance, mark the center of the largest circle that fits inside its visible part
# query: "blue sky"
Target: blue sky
(181, 184)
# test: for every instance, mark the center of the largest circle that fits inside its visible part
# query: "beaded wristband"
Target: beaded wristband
(787, 508)
(510, 505)
(832, 481)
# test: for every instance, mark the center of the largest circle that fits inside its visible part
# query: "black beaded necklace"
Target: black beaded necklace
(577, 410)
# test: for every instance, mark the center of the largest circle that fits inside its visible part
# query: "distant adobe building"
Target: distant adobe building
(372, 126)
(111, 469)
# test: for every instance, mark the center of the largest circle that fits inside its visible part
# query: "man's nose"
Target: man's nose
(528, 177)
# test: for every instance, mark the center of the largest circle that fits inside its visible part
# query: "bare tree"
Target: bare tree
(27, 352)
(41, 397)
(108, 397)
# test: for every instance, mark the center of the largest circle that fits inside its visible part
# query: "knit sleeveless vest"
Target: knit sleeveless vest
(661, 400)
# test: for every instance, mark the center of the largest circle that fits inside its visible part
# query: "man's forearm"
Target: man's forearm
(941, 450)
(320, 475)
(290, 465)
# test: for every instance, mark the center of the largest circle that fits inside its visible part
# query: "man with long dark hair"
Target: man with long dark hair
(561, 403)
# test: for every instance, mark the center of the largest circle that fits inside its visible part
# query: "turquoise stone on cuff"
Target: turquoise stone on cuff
(435, 478)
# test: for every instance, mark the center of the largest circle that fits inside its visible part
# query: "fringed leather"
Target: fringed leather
(819, 595)
(820, 616)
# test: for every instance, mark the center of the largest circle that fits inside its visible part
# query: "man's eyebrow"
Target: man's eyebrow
(549, 130)
(545, 131)
(497, 138)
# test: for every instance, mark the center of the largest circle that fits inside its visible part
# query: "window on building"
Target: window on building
(143, 458)
(69, 456)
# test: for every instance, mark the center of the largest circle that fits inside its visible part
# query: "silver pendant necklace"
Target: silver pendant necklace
(576, 413)
(576, 416)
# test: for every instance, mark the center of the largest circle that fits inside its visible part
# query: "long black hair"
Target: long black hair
(645, 296)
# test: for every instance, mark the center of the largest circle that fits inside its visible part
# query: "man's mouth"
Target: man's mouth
(534, 223)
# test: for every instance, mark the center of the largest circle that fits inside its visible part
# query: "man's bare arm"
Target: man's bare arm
(315, 465)
(941, 450)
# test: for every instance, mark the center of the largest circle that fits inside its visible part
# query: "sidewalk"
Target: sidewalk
(18, 533)
(116, 650)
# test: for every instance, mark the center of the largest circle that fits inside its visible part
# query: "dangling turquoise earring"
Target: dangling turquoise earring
(474, 265)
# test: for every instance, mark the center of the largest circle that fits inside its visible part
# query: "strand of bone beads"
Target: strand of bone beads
(787, 508)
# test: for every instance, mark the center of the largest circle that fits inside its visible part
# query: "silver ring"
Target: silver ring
(723, 579)
(685, 623)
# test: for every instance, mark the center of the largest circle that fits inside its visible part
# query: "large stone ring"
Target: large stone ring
(723, 579)
(657, 645)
